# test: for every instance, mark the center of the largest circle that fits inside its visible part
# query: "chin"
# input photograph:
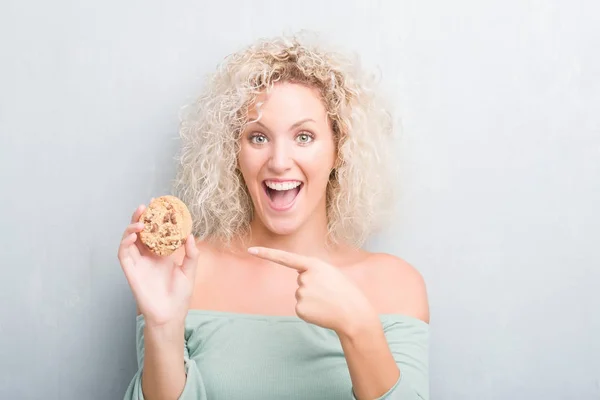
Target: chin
(281, 228)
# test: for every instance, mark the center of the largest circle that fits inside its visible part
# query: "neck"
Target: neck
(309, 240)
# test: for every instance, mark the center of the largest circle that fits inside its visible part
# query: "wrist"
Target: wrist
(172, 332)
(363, 325)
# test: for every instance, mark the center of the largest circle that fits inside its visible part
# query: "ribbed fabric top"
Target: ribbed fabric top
(230, 356)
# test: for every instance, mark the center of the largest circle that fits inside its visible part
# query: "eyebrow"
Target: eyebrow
(294, 126)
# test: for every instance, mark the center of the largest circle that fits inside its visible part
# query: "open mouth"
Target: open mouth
(282, 194)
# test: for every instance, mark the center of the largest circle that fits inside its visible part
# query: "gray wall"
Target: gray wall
(500, 182)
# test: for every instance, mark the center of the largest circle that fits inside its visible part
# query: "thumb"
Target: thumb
(192, 254)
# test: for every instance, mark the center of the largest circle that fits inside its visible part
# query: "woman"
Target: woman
(283, 169)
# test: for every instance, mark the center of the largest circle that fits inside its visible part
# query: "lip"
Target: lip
(282, 180)
(272, 206)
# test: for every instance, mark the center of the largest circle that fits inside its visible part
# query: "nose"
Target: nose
(280, 160)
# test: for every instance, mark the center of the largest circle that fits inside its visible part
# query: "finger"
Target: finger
(300, 310)
(131, 228)
(134, 248)
(190, 261)
(137, 213)
(125, 254)
(287, 259)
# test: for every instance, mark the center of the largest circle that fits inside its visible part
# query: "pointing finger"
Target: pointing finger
(287, 259)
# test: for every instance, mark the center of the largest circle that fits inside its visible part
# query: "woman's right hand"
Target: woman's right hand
(162, 286)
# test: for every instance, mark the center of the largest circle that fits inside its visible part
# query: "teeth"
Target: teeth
(282, 185)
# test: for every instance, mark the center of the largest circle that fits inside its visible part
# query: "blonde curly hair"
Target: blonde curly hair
(208, 180)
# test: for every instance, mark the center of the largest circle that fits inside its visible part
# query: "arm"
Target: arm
(162, 287)
(372, 367)
(385, 363)
(390, 360)
(374, 375)
(163, 375)
(165, 369)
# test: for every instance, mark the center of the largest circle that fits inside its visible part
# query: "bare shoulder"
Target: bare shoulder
(396, 286)
(210, 255)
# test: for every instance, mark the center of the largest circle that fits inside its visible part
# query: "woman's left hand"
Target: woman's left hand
(325, 296)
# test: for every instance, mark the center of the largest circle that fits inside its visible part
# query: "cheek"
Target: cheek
(319, 163)
(247, 164)
(325, 157)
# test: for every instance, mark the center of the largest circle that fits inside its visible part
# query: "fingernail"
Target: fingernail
(253, 250)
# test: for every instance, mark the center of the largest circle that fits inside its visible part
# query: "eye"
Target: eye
(304, 138)
(258, 138)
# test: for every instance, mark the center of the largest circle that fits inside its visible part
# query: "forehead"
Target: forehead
(288, 101)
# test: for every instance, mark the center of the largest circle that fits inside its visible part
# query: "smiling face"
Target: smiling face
(286, 158)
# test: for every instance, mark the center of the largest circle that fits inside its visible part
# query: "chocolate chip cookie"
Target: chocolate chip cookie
(167, 224)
